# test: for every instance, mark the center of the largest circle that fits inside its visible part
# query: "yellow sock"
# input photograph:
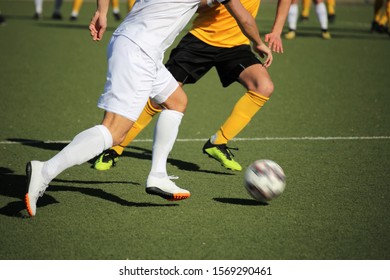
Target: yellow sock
(378, 11)
(246, 107)
(388, 13)
(115, 6)
(306, 4)
(143, 120)
(384, 18)
(130, 4)
(76, 6)
(331, 4)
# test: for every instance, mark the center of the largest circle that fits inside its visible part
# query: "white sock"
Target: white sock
(74, 13)
(165, 133)
(322, 15)
(293, 17)
(84, 146)
(38, 6)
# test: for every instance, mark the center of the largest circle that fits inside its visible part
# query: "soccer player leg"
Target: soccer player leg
(292, 19)
(149, 111)
(377, 15)
(174, 100)
(322, 16)
(116, 9)
(110, 157)
(130, 4)
(57, 10)
(380, 16)
(82, 148)
(331, 8)
(384, 19)
(306, 5)
(38, 9)
(260, 87)
(388, 16)
(76, 6)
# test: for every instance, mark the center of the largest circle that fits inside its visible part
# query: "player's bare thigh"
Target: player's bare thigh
(177, 100)
(256, 78)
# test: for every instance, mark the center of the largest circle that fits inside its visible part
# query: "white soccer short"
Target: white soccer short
(132, 78)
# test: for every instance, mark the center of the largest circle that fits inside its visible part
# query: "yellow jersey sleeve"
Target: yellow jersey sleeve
(215, 26)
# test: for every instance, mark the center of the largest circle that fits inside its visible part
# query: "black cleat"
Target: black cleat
(56, 16)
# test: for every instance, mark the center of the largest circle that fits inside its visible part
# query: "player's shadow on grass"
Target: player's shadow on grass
(102, 194)
(240, 201)
(131, 151)
(14, 186)
(20, 17)
(146, 154)
(39, 144)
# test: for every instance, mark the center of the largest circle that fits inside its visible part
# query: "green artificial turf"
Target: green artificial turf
(327, 125)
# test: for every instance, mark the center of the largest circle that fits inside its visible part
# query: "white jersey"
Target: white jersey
(154, 24)
(135, 55)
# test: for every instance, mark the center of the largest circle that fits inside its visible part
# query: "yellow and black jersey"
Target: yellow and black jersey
(215, 26)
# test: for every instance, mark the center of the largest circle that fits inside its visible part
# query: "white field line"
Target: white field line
(304, 138)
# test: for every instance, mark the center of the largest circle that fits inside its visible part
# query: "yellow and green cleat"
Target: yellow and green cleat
(290, 35)
(326, 35)
(222, 154)
(106, 160)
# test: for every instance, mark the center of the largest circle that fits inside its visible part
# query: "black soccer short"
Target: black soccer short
(192, 58)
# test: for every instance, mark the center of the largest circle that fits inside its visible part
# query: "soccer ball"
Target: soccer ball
(264, 180)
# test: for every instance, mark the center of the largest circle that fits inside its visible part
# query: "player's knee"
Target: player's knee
(177, 101)
(118, 126)
(265, 88)
(181, 104)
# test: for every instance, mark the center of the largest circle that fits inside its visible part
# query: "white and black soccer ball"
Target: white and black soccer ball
(264, 180)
